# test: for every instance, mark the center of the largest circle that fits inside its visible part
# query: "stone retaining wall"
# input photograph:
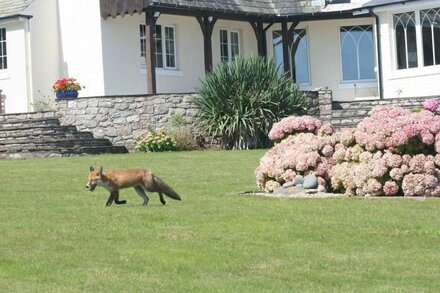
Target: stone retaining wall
(123, 119)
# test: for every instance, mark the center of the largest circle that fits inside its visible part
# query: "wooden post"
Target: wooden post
(260, 34)
(150, 22)
(287, 42)
(207, 26)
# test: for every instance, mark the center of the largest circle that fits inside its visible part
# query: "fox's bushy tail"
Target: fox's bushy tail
(165, 188)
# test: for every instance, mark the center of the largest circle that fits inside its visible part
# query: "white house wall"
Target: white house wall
(14, 80)
(46, 52)
(82, 51)
(413, 82)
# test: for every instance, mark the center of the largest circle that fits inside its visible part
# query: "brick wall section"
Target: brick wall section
(123, 119)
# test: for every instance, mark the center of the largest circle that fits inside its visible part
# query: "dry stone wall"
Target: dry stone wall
(121, 119)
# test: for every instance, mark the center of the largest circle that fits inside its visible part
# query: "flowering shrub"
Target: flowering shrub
(392, 152)
(293, 125)
(66, 84)
(431, 105)
(155, 141)
(398, 130)
(303, 153)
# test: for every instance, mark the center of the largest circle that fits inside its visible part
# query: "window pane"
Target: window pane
(366, 56)
(400, 47)
(169, 47)
(300, 57)
(142, 40)
(224, 50)
(277, 43)
(158, 50)
(349, 57)
(412, 46)
(235, 49)
(437, 43)
(3, 53)
(406, 43)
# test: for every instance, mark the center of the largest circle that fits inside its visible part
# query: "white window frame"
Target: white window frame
(229, 43)
(356, 83)
(164, 67)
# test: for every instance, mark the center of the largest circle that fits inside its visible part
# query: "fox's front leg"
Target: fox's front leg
(112, 197)
(117, 201)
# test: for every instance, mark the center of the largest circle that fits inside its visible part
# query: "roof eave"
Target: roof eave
(14, 17)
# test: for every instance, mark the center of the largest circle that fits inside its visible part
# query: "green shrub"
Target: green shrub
(179, 129)
(155, 141)
(240, 100)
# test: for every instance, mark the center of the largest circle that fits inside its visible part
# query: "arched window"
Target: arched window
(406, 40)
(357, 53)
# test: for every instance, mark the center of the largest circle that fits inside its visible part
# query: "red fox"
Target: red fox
(141, 180)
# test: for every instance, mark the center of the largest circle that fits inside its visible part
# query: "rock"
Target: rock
(288, 184)
(322, 188)
(298, 179)
(310, 182)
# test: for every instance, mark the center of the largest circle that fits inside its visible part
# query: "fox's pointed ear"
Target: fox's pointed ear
(100, 171)
(92, 169)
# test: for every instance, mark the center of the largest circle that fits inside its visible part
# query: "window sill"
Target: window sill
(4, 74)
(163, 72)
(357, 85)
(415, 72)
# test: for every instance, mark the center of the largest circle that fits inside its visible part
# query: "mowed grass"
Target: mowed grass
(56, 236)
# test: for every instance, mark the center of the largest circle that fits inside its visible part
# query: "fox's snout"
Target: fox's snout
(91, 187)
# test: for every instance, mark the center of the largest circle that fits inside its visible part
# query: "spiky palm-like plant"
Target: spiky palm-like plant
(240, 100)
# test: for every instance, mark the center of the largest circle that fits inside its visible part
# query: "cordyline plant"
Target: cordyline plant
(241, 100)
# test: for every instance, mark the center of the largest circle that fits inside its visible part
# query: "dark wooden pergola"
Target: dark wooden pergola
(258, 13)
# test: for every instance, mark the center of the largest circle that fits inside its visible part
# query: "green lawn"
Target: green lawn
(57, 236)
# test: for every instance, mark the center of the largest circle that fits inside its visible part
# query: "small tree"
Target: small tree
(240, 100)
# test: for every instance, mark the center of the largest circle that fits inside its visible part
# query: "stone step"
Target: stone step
(29, 123)
(30, 115)
(15, 145)
(41, 131)
(64, 152)
(26, 138)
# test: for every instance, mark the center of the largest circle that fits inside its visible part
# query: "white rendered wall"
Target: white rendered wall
(81, 56)
(13, 80)
(46, 52)
(325, 59)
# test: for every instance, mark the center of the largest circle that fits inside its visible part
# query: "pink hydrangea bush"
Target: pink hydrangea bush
(398, 130)
(297, 124)
(431, 105)
(393, 152)
(299, 154)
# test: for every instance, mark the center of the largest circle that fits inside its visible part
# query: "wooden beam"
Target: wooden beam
(287, 34)
(207, 25)
(260, 34)
(150, 22)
